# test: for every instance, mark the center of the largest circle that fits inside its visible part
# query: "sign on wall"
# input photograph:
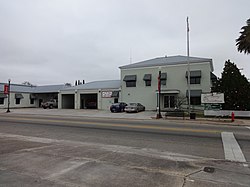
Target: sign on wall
(212, 98)
(106, 94)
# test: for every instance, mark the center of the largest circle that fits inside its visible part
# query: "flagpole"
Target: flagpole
(188, 64)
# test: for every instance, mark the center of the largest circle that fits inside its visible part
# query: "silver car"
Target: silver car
(134, 107)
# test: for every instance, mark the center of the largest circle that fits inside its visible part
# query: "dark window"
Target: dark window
(195, 100)
(116, 100)
(163, 78)
(1, 101)
(169, 101)
(148, 83)
(147, 78)
(130, 83)
(18, 100)
(195, 80)
(163, 82)
(32, 101)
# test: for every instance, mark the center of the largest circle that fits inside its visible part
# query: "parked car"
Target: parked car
(134, 107)
(52, 103)
(118, 107)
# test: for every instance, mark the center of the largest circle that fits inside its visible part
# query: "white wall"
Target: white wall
(176, 79)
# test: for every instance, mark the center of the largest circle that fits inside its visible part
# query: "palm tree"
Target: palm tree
(243, 42)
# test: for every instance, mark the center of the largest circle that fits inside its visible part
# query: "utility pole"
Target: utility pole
(188, 65)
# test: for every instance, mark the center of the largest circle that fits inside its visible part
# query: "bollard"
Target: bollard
(232, 116)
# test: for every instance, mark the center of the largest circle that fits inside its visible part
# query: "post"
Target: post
(188, 62)
(8, 110)
(159, 96)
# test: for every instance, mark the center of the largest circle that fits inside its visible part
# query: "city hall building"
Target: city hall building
(139, 81)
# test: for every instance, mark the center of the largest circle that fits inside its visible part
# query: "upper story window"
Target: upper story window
(147, 78)
(130, 80)
(195, 77)
(163, 78)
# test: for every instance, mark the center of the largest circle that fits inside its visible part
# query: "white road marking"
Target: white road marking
(248, 128)
(231, 148)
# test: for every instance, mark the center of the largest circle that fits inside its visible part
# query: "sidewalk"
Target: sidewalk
(147, 115)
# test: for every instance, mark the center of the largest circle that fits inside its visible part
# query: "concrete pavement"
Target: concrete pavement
(146, 115)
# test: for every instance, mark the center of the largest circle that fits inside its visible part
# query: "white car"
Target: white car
(134, 107)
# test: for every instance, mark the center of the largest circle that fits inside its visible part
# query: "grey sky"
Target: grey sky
(59, 41)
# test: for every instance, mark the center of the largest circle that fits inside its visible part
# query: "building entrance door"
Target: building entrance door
(169, 101)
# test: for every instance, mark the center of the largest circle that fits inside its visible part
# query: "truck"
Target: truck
(52, 103)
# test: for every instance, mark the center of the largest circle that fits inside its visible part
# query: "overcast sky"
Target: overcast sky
(59, 41)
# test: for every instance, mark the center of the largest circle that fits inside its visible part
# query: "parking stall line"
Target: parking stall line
(232, 149)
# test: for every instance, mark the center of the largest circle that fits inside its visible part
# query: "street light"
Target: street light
(8, 110)
(159, 96)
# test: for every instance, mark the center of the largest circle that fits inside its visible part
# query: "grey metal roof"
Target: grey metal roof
(107, 84)
(32, 89)
(49, 88)
(171, 60)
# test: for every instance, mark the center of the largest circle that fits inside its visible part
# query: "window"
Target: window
(1, 101)
(169, 101)
(147, 78)
(130, 83)
(18, 100)
(195, 80)
(163, 78)
(148, 83)
(32, 101)
(130, 80)
(195, 100)
(195, 77)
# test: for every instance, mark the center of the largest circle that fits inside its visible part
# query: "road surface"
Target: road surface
(75, 151)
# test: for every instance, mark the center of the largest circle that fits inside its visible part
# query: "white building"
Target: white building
(92, 95)
(140, 81)
(22, 96)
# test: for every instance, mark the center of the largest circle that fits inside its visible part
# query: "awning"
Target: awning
(194, 73)
(129, 78)
(170, 91)
(33, 96)
(115, 94)
(18, 96)
(163, 76)
(2, 95)
(194, 93)
(147, 77)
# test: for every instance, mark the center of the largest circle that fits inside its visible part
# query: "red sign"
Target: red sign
(159, 83)
(6, 89)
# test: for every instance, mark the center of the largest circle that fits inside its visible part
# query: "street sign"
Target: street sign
(6, 89)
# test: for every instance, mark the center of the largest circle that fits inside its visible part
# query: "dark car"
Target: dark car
(134, 107)
(118, 107)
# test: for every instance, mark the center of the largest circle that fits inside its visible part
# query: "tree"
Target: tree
(27, 83)
(235, 87)
(243, 42)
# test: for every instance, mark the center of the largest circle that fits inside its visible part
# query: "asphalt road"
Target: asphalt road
(74, 151)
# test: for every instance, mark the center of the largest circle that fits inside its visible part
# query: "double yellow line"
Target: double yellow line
(105, 124)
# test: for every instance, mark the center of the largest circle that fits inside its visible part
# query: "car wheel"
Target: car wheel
(51, 106)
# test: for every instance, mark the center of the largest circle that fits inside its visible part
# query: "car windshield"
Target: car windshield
(132, 104)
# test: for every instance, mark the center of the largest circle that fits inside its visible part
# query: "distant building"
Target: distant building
(22, 96)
